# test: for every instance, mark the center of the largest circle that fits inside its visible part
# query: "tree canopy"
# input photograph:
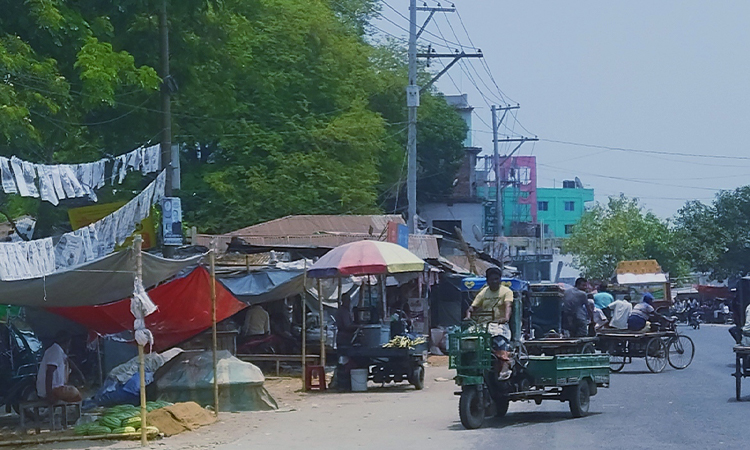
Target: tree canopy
(716, 237)
(283, 107)
(623, 231)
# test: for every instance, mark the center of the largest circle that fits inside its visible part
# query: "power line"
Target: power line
(650, 152)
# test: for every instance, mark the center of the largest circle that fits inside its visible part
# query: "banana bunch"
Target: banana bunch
(404, 342)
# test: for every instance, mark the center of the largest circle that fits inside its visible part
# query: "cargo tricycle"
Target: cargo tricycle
(571, 378)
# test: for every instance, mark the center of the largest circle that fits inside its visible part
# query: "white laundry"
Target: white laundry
(46, 185)
(29, 176)
(9, 184)
(17, 166)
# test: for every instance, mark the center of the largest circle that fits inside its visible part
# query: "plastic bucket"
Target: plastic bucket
(359, 380)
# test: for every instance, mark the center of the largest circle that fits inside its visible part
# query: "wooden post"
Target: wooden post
(304, 326)
(212, 259)
(141, 357)
(322, 328)
(382, 298)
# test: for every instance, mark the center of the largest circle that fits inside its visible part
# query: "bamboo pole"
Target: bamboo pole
(212, 259)
(322, 327)
(137, 243)
(304, 327)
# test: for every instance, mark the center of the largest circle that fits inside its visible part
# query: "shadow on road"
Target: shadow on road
(523, 419)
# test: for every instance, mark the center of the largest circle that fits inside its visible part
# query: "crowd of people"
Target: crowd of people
(586, 311)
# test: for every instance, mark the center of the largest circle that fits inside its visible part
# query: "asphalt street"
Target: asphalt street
(691, 408)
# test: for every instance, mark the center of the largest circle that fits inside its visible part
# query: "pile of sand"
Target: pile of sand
(180, 417)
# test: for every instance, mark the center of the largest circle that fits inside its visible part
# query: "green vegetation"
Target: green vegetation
(283, 107)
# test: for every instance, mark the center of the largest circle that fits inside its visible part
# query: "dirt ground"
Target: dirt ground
(233, 427)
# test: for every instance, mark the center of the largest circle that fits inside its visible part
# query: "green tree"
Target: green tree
(622, 231)
(716, 238)
(283, 107)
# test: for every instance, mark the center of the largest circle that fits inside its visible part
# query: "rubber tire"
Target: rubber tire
(470, 409)
(501, 407)
(656, 364)
(580, 399)
(417, 377)
(588, 348)
(672, 343)
(617, 365)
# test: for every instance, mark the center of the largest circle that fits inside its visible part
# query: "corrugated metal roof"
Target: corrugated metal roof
(311, 224)
(424, 246)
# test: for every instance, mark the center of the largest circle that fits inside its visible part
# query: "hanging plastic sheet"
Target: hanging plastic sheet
(46, 185)
(104, 280)
(183, 310)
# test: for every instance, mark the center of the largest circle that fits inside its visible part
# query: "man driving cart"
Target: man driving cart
(495, 303)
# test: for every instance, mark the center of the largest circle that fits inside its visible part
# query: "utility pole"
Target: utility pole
(166, 107)
(412, 102)
(412, 99)
(499, 181)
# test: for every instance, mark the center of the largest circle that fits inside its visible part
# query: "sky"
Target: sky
(629, 85)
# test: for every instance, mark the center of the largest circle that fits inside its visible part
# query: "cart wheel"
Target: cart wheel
(680, 351)
(656, 355)
(417, 377)
(470, 408)
(588, 348)
(616, 363)
(580, 399)
(501, 407)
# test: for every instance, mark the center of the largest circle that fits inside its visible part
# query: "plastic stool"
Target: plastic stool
(318, 372)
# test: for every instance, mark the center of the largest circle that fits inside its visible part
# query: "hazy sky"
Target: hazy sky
(654, 76)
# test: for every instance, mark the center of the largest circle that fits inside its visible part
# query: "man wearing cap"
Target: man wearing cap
(496, 301)
(642, 313)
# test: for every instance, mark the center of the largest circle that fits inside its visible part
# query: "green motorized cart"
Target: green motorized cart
(565, 377)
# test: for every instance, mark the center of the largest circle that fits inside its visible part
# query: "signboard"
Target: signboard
(532, 258)
(398, 234)
(80, 217)
(171, 213)
(490, 219)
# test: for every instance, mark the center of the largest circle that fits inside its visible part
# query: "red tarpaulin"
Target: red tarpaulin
(714, 291)
(184, 310)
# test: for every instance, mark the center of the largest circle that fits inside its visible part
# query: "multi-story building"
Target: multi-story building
(534, 219)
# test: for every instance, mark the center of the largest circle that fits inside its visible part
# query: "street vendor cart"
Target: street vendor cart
(385, 358)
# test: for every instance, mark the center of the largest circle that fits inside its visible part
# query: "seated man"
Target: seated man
(642, 313)
(257, 323)
(498, 301)
(621, 310)
(52, 379)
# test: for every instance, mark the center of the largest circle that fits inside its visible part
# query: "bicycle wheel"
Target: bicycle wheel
(616, 363)
(680, 351)
(656, 355)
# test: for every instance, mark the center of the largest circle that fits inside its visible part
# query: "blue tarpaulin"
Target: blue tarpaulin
(264, 285)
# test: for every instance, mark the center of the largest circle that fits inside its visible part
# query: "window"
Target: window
(569, 229)
(542, 206)
(570, 206)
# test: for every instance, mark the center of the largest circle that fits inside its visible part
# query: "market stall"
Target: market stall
(377, 351)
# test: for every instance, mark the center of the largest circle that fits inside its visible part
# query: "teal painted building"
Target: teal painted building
(558, 209)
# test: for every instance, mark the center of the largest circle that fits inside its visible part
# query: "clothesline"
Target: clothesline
(37, 258)
(53, 183)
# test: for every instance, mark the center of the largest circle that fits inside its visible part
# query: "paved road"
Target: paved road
(689, 409)
(692, 408)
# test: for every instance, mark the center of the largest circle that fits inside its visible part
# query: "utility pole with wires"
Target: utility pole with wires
(412, 97)
(497, 163)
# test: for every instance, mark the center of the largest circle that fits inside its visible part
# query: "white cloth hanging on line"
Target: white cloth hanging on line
(73, 180)
(36, 258)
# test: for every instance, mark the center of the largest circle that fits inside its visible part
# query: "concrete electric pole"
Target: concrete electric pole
(412, 98)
